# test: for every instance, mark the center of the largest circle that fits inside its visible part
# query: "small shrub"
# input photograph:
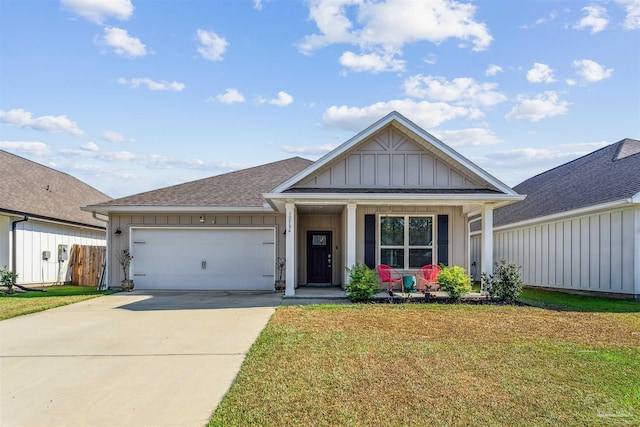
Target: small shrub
(7, 279)
(505, 284)
(455, 281)
(363, 282)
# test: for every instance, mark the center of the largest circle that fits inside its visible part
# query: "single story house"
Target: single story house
(41, 219)
(392, 194)
(579, 227)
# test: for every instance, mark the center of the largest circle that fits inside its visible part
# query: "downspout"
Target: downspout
(106, 251)
(14, 242)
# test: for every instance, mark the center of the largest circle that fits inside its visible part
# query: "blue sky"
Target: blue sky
(130, 96)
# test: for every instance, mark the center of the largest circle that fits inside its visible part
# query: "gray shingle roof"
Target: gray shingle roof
(609, 174)
(29, 188)
(241, 188)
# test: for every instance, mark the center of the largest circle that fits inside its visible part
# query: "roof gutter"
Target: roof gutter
(14, 240)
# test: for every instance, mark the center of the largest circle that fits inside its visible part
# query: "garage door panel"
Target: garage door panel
(210, 259)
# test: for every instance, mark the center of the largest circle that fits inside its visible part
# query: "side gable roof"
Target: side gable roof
(239, 189)
(402, 122)
(29, 188)
(606, 175)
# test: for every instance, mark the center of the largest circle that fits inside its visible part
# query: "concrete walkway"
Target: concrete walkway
(137, 359)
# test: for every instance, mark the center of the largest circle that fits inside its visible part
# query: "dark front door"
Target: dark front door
(319, 256)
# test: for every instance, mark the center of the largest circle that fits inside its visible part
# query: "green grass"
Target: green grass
(56, 296)
(432, 364)
(564, 301)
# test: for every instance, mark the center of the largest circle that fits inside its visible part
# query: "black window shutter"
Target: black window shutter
(370, 240)
(443, 239)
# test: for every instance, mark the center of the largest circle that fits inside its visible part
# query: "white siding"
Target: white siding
(5, 241)
(33, 237)
(390, 159)
(594, 252)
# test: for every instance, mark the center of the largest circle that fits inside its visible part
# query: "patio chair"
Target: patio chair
(389, 275)
(427, 278)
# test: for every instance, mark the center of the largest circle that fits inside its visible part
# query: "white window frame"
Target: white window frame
(406, 245)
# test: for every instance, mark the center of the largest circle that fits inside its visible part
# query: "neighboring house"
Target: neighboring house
(40, 214)
(392, 194)
(579, 228)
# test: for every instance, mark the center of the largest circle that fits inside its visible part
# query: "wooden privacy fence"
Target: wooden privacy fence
(86, 264)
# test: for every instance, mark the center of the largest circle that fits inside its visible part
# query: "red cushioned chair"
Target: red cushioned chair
(389, 275)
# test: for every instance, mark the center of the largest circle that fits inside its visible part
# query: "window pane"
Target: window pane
(392, 257)
(319, 240)
(421, 231)
(391, 231)
(420, 257)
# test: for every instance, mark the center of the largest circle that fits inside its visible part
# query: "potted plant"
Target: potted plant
(280, 266)
(124, 258)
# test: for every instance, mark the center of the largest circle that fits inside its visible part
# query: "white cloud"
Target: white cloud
(544, 105)
(257, 4)
(90, 146)
(632, 20)
(282, 100)
(551, 17)
(39, 149)
(467, 137)
(112, 136)
(540, 73)
(388, 26)
(463, 90)
(492, 70)
(310, 151)
(122, 43)
(425, 114)
(595, 19)
(372, 62)
(571, 82)
(53, 124)
(230, 96)
(98, 10)
(152, 84)
(590, 71)
(431, 59)
(518, 157)
(211, 46)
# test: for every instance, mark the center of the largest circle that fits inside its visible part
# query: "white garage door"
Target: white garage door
(203, 259)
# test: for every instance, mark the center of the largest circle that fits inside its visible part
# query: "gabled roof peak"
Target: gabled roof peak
(627, 147)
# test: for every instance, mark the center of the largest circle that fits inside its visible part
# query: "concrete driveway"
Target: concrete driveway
(137, 359)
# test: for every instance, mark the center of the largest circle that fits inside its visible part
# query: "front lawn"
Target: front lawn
(32, 302)
(437, 364)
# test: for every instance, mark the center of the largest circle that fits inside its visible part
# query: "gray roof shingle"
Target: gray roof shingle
(29, 188)
(243, 188)
(609, 174)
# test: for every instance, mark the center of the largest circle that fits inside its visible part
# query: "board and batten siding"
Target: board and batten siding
(591, 252)
(33, 237)
(125, 221)
(389, 159)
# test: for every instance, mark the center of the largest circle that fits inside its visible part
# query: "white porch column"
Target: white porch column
(351, 238)
(486, 252)
(290, 229)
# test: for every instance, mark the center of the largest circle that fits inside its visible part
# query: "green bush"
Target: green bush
(505, 284)
(363, 282)
(455, 281)
(7, 279)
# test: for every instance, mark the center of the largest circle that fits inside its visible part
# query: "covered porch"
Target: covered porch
(325, 235)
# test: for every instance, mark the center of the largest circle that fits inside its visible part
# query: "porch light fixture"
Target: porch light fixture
(201, 219)
(118, 231)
